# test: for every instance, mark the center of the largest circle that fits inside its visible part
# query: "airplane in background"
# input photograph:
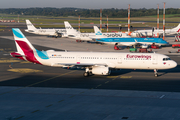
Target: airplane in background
(128, 41)
(48, 32)
(72, 33)
(98, 63)
(153, 32)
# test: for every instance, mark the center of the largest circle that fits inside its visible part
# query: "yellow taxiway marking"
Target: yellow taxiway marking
(112, 76)
(24, 70)
(126, 77)
(38, 82)
(26, 62)
(9, 61)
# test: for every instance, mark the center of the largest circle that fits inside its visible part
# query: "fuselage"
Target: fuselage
(132, 41)
(50, 32)
(154, 33)
(110, 59)
(90, 36)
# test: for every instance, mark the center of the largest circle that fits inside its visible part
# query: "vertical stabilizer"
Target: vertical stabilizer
(69, 29)
(30, 26)
(177, 28)
(98, 32)
(22, 44)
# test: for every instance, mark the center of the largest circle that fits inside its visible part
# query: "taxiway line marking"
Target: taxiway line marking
(49, 105)
(38, 82)
(34, 111)
(19, 117)
(60, 101)
(162, 96)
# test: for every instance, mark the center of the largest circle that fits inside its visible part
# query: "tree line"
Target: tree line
(112, 13)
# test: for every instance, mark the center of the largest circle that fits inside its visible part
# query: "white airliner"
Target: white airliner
(48, 32)
(72, 33)
(172, 31)
(98, 63)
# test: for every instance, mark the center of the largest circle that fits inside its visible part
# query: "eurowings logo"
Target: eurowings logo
(98, 33)
(139, 56)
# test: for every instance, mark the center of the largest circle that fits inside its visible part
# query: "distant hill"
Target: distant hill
(112, 13)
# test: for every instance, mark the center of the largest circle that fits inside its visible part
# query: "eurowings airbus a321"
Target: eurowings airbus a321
(98, 63)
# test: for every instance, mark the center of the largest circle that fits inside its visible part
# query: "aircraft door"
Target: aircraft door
(78, 59)
(154, 59)
(119, 59)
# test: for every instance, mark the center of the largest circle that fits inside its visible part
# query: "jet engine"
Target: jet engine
(100, 70)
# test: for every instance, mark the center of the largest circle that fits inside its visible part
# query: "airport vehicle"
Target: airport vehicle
(98, 63)
(128, 41)
(154, 46)
(175, 51)
(132, 49)
(72, 33)
(48, 32)
(139, 33)
(175, 45)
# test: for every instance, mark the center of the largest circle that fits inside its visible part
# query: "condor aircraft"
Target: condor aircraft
(72, 33)
(49, 32)
(172, 31)
(98, 63)
(128, 41)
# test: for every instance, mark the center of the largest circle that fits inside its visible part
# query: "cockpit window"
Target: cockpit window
(166, 59)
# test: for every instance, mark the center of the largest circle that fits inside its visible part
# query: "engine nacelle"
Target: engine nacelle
(100, 70)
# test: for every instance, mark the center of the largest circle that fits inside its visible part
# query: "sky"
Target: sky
(90, 4)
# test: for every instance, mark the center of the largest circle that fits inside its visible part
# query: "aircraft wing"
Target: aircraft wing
(83, 64)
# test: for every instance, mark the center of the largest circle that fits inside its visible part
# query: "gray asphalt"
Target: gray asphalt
(29, 91)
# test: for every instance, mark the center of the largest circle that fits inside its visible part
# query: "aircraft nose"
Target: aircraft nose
(174, 64)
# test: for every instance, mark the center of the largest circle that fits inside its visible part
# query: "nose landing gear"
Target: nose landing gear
(155, 73)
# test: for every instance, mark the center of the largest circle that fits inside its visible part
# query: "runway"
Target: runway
(30, 91)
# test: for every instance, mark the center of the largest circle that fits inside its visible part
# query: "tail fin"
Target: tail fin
(97, 30)
(25, 50)
(177, 28)
(98, 33)
(30, 26)
(69, 29)
(22, 44)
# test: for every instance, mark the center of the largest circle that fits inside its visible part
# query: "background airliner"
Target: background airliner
(99, 63)
(127, 41)
(139, 33)
(48, 32)
(72, 33)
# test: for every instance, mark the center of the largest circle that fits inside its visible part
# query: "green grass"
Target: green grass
(44, 22)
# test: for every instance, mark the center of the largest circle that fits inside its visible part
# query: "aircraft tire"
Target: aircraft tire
(156, 75)
(86, 74)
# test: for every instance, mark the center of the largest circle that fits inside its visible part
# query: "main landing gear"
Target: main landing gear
(88, 72)
(155, 73)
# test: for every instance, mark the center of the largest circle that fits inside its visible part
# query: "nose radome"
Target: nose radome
(174, 64)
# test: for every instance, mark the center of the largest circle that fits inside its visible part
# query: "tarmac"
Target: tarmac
(29, 91)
